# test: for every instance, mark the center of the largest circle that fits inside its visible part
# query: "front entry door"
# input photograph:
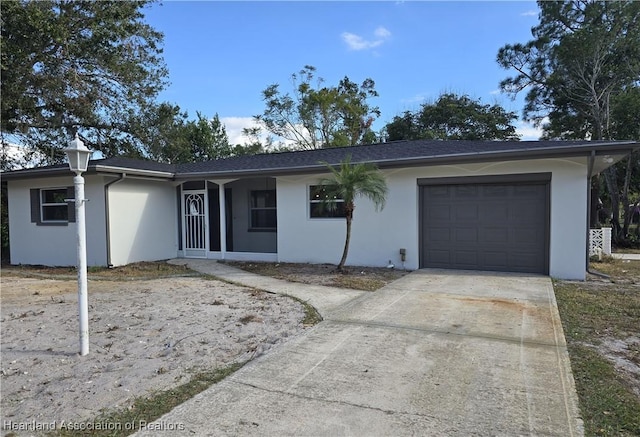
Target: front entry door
(195, 224)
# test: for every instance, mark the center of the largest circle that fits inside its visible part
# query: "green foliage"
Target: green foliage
(583, 54)
(70, 66)
(208, 139)
(582, 71)
(594, 313)
(349, 181)
(319, 116)
(168, 136)
(454, 117)
(608, 407)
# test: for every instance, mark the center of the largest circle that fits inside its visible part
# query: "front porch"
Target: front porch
(228, 219)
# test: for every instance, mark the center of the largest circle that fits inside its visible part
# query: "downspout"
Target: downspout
(592, 159)
(107, 219)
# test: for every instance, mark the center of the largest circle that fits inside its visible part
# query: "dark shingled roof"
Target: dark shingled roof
(136, 164)
(395, 154)
(385, 155)
(115, 164)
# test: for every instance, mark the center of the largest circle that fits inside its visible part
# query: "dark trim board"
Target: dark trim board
(490, 179)
(493, 223)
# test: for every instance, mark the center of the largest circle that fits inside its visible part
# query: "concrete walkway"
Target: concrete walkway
(435, 353)
(324, 299)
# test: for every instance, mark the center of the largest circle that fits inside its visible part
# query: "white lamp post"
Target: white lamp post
(78, 156)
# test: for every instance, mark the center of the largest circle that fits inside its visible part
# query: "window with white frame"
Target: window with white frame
(321, 205)
(51, 206)
(262, 211)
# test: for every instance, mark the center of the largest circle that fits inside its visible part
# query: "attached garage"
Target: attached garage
(494, 223)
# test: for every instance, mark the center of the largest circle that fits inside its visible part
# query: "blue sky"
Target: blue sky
(221, 55)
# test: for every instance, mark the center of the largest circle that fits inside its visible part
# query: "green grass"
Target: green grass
(311, 315)
(353, 277)
(608, 407)
(140, 271)
(146, 409)
(593, 312)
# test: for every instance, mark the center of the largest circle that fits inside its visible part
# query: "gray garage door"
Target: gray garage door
(499, 226)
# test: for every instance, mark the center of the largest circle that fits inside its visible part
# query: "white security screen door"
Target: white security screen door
(195, 224)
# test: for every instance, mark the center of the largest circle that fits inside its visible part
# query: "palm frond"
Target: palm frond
(349, 181)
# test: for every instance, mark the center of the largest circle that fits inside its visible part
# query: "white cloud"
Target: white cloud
(383, 33)
(495, 92)
(19, 156)
(529, 14)
(357, 42)
(234, 126)
(529, 132)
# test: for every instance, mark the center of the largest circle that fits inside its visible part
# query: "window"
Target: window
(49, 206)
(53, 206)
(320, 206)
(262, 214)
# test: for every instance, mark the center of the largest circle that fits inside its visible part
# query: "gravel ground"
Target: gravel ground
(144, 336)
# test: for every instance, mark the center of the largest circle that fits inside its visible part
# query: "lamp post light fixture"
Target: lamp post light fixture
(78, 156)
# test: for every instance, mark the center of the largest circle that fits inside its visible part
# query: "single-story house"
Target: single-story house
(498, 206)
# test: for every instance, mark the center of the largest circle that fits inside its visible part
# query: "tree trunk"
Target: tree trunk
(612, 186)
(627, 210)
(349, 217)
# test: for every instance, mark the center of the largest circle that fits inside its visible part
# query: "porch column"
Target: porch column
(223, 220)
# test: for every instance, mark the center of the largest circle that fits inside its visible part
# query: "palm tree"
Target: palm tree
(347, 182)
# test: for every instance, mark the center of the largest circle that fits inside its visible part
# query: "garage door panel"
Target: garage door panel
(494, 211)
(495, 191)
(495, 260)
(440, 192)
(500, 227)
(493, 235)
(529, 236)
(527, 191)
(442, 212)
(440, 258)
(466, 235)
(525, 262)
(465, 259)
(525, 212)
(464, 212)
(466, 191)
(440, 235)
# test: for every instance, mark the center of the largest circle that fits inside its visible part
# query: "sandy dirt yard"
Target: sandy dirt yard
(144, 336)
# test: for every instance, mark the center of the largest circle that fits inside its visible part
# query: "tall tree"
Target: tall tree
(319, 116)
(348, 182)
(208, 139)
(454, 117)
(162, 131)
(67, 66)
(583, 57)
(169, 136)
(583, 54)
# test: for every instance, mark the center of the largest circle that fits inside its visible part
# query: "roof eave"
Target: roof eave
(92, 170)
(133, 172)
(36, 172)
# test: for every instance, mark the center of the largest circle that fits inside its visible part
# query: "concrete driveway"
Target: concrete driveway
(434, 353)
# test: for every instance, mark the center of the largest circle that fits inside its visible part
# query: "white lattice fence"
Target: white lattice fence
(600, 241)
